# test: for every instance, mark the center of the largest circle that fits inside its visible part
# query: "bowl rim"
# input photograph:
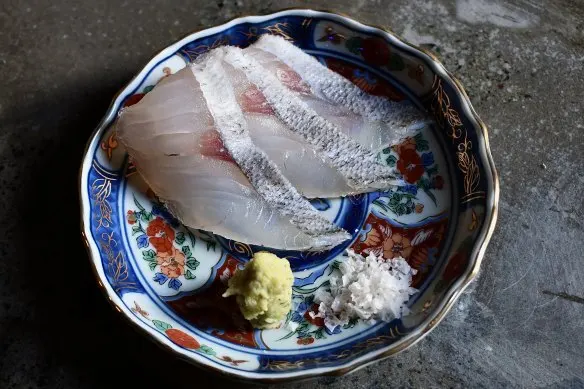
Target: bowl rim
(452, 293)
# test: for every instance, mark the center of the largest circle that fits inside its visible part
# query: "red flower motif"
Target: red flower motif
(380, 88)
(410, 165)
(397, 245)
(172, 263)
(131, 216)
(375, 51)
(438, 182)
(305, 341)
(182, 339)
(408, 143)
(160, 235)
(134, 99)
(419, 257)
(373, 238)
(317, 321)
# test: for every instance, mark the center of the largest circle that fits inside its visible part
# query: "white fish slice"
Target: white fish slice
(375, 121)
(229, 144)
(298, 161)
(262, 173)
(182, 157)
(360, 167)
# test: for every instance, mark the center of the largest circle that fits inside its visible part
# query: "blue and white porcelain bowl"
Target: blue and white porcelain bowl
(167, 280)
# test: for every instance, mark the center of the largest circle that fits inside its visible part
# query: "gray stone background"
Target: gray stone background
(521, 323)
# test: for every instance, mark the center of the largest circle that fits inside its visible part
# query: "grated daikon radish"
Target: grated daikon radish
(370, 288)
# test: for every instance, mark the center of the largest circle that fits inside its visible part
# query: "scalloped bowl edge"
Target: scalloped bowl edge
(429, 323)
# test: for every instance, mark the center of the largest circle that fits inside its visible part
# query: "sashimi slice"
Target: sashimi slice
(378, 121)
(183, 159)
(231, 144)
(360, 167)
(298, 161)
(219, 199)
(262, 173)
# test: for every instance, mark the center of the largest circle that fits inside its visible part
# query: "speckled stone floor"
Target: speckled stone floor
(520, 325)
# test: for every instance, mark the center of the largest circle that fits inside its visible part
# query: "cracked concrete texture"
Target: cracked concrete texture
(522, 64)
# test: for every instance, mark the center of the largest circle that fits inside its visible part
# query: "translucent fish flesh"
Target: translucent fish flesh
(236, 142)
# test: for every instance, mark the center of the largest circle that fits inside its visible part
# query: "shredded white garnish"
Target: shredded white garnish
(370, 288)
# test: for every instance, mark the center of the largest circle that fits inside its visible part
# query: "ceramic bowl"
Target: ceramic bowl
(167, 280)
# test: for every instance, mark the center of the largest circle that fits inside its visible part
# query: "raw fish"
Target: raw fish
(235, 142)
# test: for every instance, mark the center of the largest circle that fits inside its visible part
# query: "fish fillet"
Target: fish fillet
(235, 142)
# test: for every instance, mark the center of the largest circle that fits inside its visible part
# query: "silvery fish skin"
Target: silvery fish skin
(373, 121)
(234, 154)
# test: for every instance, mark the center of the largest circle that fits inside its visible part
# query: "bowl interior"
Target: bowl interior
(169, 279)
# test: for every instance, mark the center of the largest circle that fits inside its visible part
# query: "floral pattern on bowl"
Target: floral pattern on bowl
(168, 279)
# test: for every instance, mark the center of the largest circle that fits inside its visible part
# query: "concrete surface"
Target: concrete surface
(522, 63)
